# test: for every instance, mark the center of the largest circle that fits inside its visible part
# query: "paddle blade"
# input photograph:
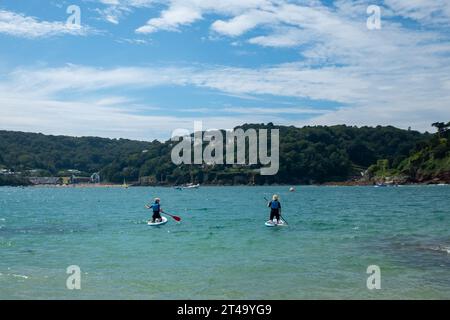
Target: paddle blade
(174, 217)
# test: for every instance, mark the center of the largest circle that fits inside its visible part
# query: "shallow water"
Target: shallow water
(221, 249)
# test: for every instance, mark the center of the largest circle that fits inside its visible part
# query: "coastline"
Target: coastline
(81, 185)
(325, 184)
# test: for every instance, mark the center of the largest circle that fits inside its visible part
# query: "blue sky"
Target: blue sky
(142, 68)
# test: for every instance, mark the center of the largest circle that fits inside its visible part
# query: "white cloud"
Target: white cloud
(115, 10)
(74, 78)
(243, 23)
(16, 24)
(171, 19)
(243, 16)
(424, 11)
(185, 12)
(283, 37)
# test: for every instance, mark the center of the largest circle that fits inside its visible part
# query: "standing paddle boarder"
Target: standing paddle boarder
(275, 209)
(156, 218)
(156, 210)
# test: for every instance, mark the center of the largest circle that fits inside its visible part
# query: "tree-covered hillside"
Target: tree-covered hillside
(27, 151)
(307, 155)
(429, 160)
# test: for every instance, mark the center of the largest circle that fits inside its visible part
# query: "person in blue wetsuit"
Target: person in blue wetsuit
(156, 206)
(275, 209)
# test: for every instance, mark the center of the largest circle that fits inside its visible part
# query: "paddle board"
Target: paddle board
(164, 221)
(275, 224)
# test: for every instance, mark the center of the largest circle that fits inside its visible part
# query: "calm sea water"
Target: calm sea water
(221, 249)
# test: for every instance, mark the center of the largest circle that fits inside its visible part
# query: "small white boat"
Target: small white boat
(380, 185)
(192, 186)
(188, 186)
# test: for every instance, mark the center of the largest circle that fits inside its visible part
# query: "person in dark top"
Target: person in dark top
(275, 209)
(156, 206)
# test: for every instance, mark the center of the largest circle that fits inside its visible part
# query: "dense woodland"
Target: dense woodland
(307, 155)
(429, 161)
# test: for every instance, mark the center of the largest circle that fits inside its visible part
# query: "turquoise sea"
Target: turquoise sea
(221, 249)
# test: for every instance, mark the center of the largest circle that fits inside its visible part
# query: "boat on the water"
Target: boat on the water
(380, 185)
(188, 186)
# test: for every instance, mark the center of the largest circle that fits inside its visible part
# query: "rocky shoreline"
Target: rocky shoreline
(437, 179)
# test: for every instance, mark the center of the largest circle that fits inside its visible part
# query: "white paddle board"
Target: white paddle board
(275, 224)
(163, 221)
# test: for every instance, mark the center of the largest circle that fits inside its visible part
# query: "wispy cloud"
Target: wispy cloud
(133, 41)
(261, 111)
(276, 110)
(19, 25)
(115, 10)
(423, 11)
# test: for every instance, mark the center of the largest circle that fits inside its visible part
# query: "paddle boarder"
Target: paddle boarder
(156, 206)
(275, 209)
